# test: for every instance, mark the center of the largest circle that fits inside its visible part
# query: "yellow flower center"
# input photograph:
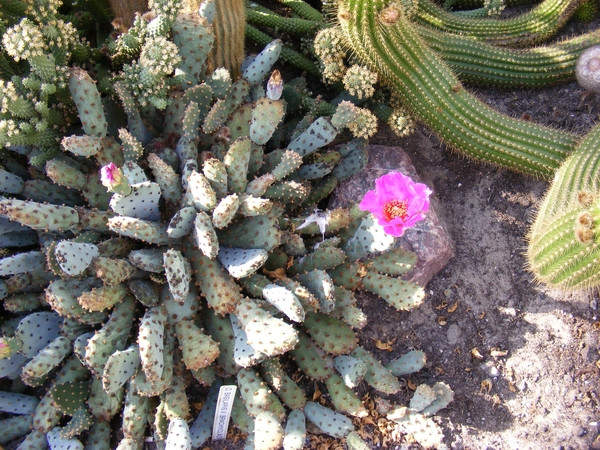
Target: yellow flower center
(394, 209)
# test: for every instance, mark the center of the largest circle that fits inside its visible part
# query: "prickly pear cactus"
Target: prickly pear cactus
(196, 255)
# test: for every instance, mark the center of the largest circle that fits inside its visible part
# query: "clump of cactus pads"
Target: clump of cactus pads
(33, 101)
(196, 259)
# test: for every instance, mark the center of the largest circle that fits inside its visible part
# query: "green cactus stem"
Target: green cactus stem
(384, 39)
(295, 431)
(260, 16)
(472, 4)
(256, 394)
(288, 55)
(481, 64)
(330, 422)
(268, 432)
(287, 390)
(377, 375)
(303, 9)
(528, 28)
(563, 248)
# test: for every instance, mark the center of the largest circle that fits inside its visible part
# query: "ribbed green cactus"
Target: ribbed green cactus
(384, 38)
(562, 245)
(473, 59)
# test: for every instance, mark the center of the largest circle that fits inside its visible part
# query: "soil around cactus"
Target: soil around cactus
(522, 359)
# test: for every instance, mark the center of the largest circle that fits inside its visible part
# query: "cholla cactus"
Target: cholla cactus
(24, 41)
(149, 79)
(361, 122)
(334, 70)
(328, 44)
(328, 47)
(359, 81)
(29, 112)
(43, 10)
(216, 254)
(401, 122)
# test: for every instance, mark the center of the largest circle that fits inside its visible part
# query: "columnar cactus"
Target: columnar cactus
(562, 246)
(384, 38)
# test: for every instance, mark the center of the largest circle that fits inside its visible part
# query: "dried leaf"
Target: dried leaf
(482, 315)
(441, 305)
(442, 320)
(387, 346)
(498, 353)
(475, 353)
(317, 394)
(511, 387)
(277, 274)
(486, 385)
(198, 405)
(411, 385)
(368, 420)
(362, 271)
(453, 308)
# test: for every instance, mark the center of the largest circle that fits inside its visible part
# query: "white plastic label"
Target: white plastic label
(223, 412)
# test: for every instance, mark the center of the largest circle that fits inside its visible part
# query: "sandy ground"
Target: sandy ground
(543, 393)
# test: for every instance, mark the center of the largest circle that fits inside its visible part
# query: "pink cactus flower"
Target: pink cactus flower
(110, 175)
(397, 202)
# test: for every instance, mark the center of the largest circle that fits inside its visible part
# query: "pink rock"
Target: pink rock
(428, 238)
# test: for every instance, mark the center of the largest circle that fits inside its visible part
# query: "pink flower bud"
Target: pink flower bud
(5, 350)
(110, 175)
(275, 86)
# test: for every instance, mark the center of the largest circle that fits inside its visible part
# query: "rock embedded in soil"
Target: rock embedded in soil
(428, 238)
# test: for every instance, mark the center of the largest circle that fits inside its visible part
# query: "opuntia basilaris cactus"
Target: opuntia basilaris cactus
(154, 265)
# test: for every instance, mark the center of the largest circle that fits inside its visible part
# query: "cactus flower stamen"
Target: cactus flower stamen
(394, 209)
(397, 202)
